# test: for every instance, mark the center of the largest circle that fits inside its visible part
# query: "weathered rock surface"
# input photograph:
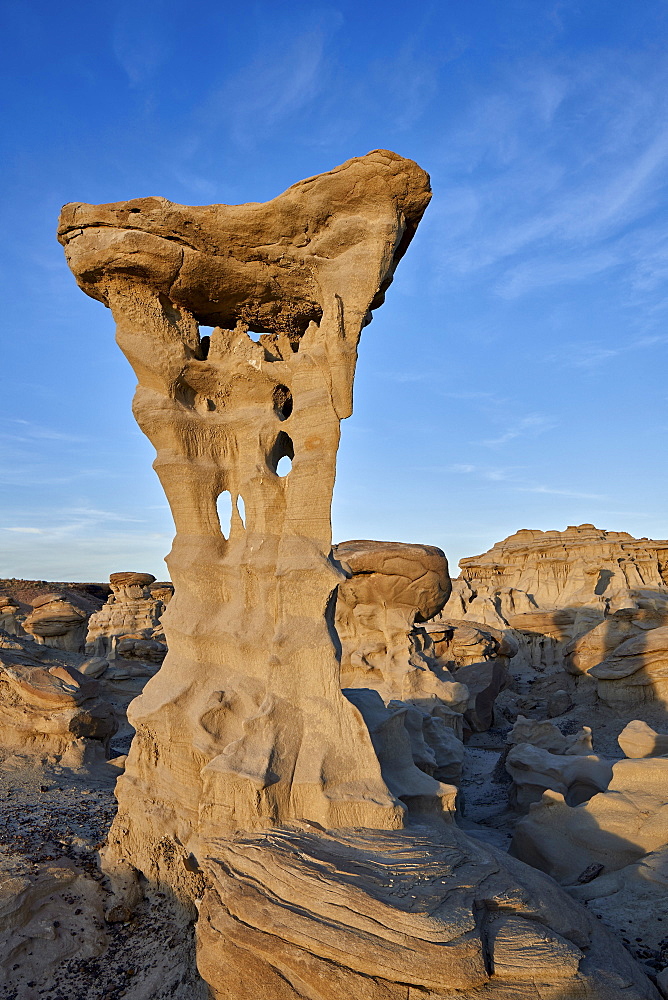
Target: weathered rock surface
(637, 671)
(10, 616)
(614, 828)
(580, 566)
(45, 701)
(253, 784)
(57, 622)
(128, 635)
(390, 587)
(594, 646)
(49, 914)
(547, 736)
(610, 852)
(575, 776)
(637, 739)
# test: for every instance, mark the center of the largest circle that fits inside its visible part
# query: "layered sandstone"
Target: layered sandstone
(57, 622)
(127, 633)
(322, 860)
(582, 565)
(46, 703)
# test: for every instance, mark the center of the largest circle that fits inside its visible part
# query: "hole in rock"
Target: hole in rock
(241, 508)
(283, 451)
(224, 508)
(204, 341)
(282, 402)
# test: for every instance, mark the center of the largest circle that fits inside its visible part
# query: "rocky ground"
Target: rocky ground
(53, 820)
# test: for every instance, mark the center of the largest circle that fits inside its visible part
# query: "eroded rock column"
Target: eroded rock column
(252, 788)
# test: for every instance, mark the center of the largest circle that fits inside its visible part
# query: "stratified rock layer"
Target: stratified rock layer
(568, 569)
(253, 784)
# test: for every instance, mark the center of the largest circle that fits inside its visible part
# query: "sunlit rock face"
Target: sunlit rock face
(253, 786)
(57, 622)
(128, 634)
(46, 703)
(581, 566)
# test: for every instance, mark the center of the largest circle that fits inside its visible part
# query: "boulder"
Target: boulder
(575, 776)
(637, 739)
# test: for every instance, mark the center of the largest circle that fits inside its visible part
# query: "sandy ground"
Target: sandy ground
(52, 822)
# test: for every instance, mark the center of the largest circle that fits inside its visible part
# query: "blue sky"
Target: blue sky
(515, 376)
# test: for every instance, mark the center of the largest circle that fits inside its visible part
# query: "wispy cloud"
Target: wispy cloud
(287, 73)
(592, 355)
(561, 493)
(554, 174)
(25, 430)
(529, 426)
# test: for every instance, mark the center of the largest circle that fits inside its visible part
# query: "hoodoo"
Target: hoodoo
(254, 791)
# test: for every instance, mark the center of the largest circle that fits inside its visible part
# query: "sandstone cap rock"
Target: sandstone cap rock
(127, 579)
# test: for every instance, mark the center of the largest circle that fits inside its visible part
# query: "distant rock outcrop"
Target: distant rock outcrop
(127, 633)
(581, 566)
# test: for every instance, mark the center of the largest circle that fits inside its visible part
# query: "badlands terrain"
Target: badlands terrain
(306, 771)
(538, 689)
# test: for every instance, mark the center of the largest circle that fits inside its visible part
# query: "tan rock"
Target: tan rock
(637, 739)
(592, 647)
(10, 616)
(390, 586)
(57, 622)
(459, 643)
(614, 828)
(127, 633)
(575, 776)
(547, 736)
(484, 681)
(637, 671)
(582, 565)
(45, 703)
(49, 914)
(253, 784)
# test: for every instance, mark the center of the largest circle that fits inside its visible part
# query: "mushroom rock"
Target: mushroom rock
(127, 633)
(389, 587)
(10, 617)
(46, 703)
(56, 621)
(252, 789)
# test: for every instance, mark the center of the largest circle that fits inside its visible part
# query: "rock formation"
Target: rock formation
(253, 785)
(636, 672)
(10, 616)
(566, 569)
(46, 703)
(57, 622)
(390, 587)
(128, 635)
(637, 739)
(48, 916)
(610, 851)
